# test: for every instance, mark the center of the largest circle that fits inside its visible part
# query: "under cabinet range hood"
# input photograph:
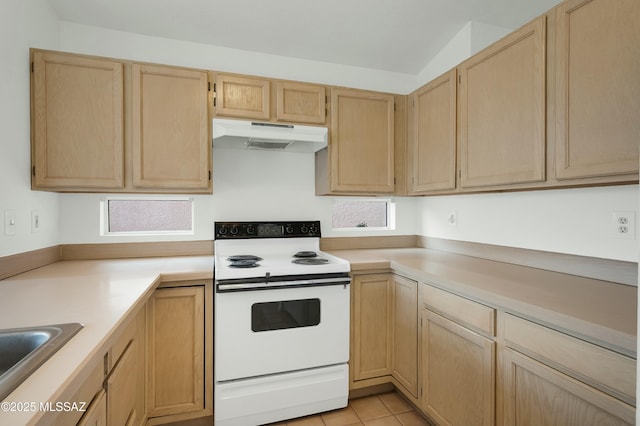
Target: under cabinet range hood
(239, 134)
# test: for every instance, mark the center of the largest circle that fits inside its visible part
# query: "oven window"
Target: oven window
(285, 314)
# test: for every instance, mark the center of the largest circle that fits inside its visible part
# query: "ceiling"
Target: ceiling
(392, 35)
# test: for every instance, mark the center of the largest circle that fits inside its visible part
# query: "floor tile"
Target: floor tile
(395, 403)
(342, 417)
(412, 419)
(306, 421)
(369, 408)
(383, 421)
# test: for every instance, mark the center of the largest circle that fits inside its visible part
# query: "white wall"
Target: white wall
(248, 185)
(23, 24)
(122, 45)
(575, 221)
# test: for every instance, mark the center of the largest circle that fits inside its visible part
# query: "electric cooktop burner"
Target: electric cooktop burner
(310, 261)
(246, 263)
(305, 254)
(238, 257)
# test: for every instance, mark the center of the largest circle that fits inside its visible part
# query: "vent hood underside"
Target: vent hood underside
(238, 134)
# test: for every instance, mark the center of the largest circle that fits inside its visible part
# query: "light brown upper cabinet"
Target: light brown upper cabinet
(242, 97)
(77, 122)
(501, 107)
(597, 88)
(170, 128)
(300, 103)
(360, 158)
(433, 141)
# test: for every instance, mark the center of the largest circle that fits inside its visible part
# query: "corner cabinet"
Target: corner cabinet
(433, 138)
(501, 111)
(102, 125)
(597, 89)
(170, 128)
(360, 156)
(77, 124)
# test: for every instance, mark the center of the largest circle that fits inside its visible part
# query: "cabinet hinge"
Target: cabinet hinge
(208, 86)
(394, 106)
(32, 67)
(209, 174)
(214, 94)
(421, 392)
(459, 79)
(33, 170)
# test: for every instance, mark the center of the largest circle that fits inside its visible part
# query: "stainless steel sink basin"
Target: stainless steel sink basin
(23, 350)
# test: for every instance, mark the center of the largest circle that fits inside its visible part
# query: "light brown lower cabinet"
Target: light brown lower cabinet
(458, 380)
(370, 329)
(536, 394)
(96, 414)
(121, 388)
(404, 331)
(175, 351)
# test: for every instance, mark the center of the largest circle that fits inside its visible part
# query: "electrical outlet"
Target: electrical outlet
(624, 224)
(35, 221)
(10, 222)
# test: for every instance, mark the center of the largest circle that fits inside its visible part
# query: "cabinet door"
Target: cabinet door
(77, 122)
(361, 148)
(96, 414)
(175, 351)
(371, 326)
(535, 394)
(433, 145)
(171, 142)
(122, 387)
(300, 103)
(405, 333)
(242, 97)
(502, 111)
(598, 88)
(458, 380)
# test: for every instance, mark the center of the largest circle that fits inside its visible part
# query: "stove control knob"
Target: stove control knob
(288, 229)
(234, 230)
(251, 229)
(304, 229)
(222, 230)
(313, 229)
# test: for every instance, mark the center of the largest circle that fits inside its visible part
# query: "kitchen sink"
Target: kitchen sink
(23, 350)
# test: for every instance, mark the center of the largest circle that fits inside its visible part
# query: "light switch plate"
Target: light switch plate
(10, 222)
(35, 221)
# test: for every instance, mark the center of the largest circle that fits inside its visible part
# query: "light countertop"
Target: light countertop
(102, 293)
(598, 311)
(99, 294)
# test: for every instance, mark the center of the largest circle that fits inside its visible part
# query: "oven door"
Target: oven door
(260, 332)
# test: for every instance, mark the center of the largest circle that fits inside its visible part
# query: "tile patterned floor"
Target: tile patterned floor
(388, 409)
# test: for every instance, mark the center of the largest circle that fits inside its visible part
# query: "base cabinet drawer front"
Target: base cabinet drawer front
(473, 314)
(458, 373)
(175, 351)
(535, 394)
(371, 326)
(601, 368)
(405, 333)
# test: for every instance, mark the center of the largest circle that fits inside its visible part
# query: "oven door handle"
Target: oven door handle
(273, 285)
